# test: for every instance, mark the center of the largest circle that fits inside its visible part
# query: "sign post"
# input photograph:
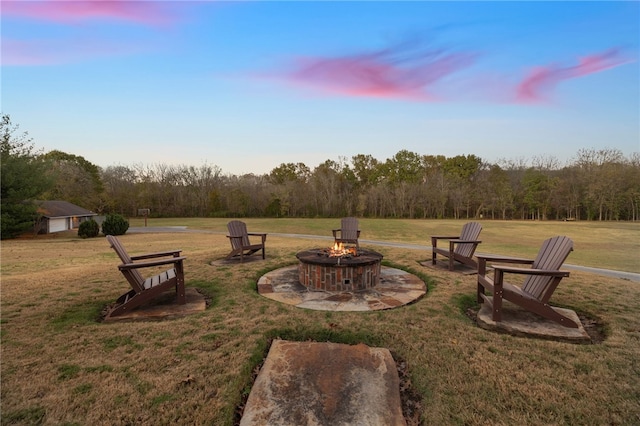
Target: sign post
(145, 213)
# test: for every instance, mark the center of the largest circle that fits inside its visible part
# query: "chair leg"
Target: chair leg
(180, 291)
(451, 255)
(180, 296)
(482, 270)
(479, 292)
(434, 244)
(496, 315)
(497, 295)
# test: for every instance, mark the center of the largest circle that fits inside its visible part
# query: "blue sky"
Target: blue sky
(248, 85)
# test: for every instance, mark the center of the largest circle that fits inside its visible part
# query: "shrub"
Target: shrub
(88, 229)
(115, 224)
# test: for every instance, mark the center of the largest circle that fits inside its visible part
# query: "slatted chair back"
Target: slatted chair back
(349, 228)
(132, 275)
(551, 256)
(238, 228)
(470, 232)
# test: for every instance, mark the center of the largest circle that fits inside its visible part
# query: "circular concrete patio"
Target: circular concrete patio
(396, 288)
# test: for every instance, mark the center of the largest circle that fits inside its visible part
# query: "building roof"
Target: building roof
(52, 208)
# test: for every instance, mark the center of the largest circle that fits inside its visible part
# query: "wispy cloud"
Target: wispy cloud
(417, 71)
(155, 13)
(84, 40)
(541, 81)
(22, 52)
(43, 52)
(409, 70)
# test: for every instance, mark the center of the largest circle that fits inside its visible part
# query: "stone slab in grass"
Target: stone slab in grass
(315, 383)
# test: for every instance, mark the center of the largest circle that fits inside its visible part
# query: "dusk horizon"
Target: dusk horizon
(248, 86)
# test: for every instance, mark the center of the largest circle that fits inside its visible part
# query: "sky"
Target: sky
(250, 85)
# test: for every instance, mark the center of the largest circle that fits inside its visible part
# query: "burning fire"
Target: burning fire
(340, 250)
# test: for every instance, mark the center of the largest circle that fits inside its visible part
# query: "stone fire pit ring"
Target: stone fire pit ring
(395, 288)
(320, 271)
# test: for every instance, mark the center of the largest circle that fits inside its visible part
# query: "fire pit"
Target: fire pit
(339, 269)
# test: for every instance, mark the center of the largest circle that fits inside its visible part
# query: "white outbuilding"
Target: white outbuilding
(58, 216)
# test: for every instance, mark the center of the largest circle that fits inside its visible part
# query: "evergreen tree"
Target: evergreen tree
(23, 180)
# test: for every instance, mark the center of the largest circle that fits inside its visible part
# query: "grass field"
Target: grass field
(62, 366)
(609, 245)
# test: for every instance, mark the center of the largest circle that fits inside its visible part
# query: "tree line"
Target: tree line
(598, 184)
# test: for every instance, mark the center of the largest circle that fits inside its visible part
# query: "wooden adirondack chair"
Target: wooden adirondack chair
(145, 289)
(240, 244)
(349, 232)
(461, 247)
(539, 284)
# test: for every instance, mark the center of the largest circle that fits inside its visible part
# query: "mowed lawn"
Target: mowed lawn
(608, 245)
(59, 365)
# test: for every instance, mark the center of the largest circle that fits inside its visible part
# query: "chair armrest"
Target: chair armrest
(174, 253)
(505, 259)
(530, 271)
(150, 263)
(256, 234)
(435, 238)
(484, 258)
(444, 237)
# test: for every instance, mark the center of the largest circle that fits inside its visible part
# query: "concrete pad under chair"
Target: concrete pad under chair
(443, 265)
(165, 307)
(519, 322)
(319, 383)
(236, 261)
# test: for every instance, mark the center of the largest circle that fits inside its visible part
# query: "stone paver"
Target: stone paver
(332, 384)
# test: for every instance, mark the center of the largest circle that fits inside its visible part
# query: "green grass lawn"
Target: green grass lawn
(61, 366)
(609, 245)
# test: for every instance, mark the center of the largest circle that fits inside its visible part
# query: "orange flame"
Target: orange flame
(339, 250)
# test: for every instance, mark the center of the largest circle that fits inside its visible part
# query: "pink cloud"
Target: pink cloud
(61, 11)
(58, 51)
(410, 71)
(397, 72)
(541, 80)
(17, 52)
